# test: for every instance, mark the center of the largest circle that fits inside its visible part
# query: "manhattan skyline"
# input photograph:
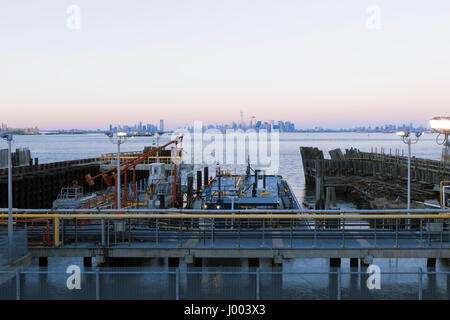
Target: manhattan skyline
(316, 64)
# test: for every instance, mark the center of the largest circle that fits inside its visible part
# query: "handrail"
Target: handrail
(115, 214)
(228, 211)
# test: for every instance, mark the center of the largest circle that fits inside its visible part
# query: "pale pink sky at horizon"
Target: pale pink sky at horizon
(314, 63)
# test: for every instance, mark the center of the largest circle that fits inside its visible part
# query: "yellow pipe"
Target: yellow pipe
(57, 241)
(264, 194)
(224, 194)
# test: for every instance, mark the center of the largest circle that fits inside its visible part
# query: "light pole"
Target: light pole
(157, 145)
(441, 125)
(120, 139)
(406, 138)
(8, 137)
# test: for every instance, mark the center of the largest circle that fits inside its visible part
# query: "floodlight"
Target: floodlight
(440, 124)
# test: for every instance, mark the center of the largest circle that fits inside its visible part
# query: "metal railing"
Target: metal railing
(125, 156)
(295, 228)
(19, 249)
(221, 283)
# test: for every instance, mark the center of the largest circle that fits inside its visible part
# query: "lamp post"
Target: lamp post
(406, 138)
(8, 137)
(120, 139)
(441, 125)
(158, 134)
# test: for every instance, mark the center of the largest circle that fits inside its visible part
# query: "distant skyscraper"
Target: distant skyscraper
(253, 122)
(161, 125)
(242, 119)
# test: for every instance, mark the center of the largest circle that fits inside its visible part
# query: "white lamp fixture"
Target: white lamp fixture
(440, 124)
(406, 138)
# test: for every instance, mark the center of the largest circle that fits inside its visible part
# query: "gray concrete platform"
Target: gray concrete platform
(274, 244)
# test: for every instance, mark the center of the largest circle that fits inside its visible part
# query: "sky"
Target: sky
(321, 63)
